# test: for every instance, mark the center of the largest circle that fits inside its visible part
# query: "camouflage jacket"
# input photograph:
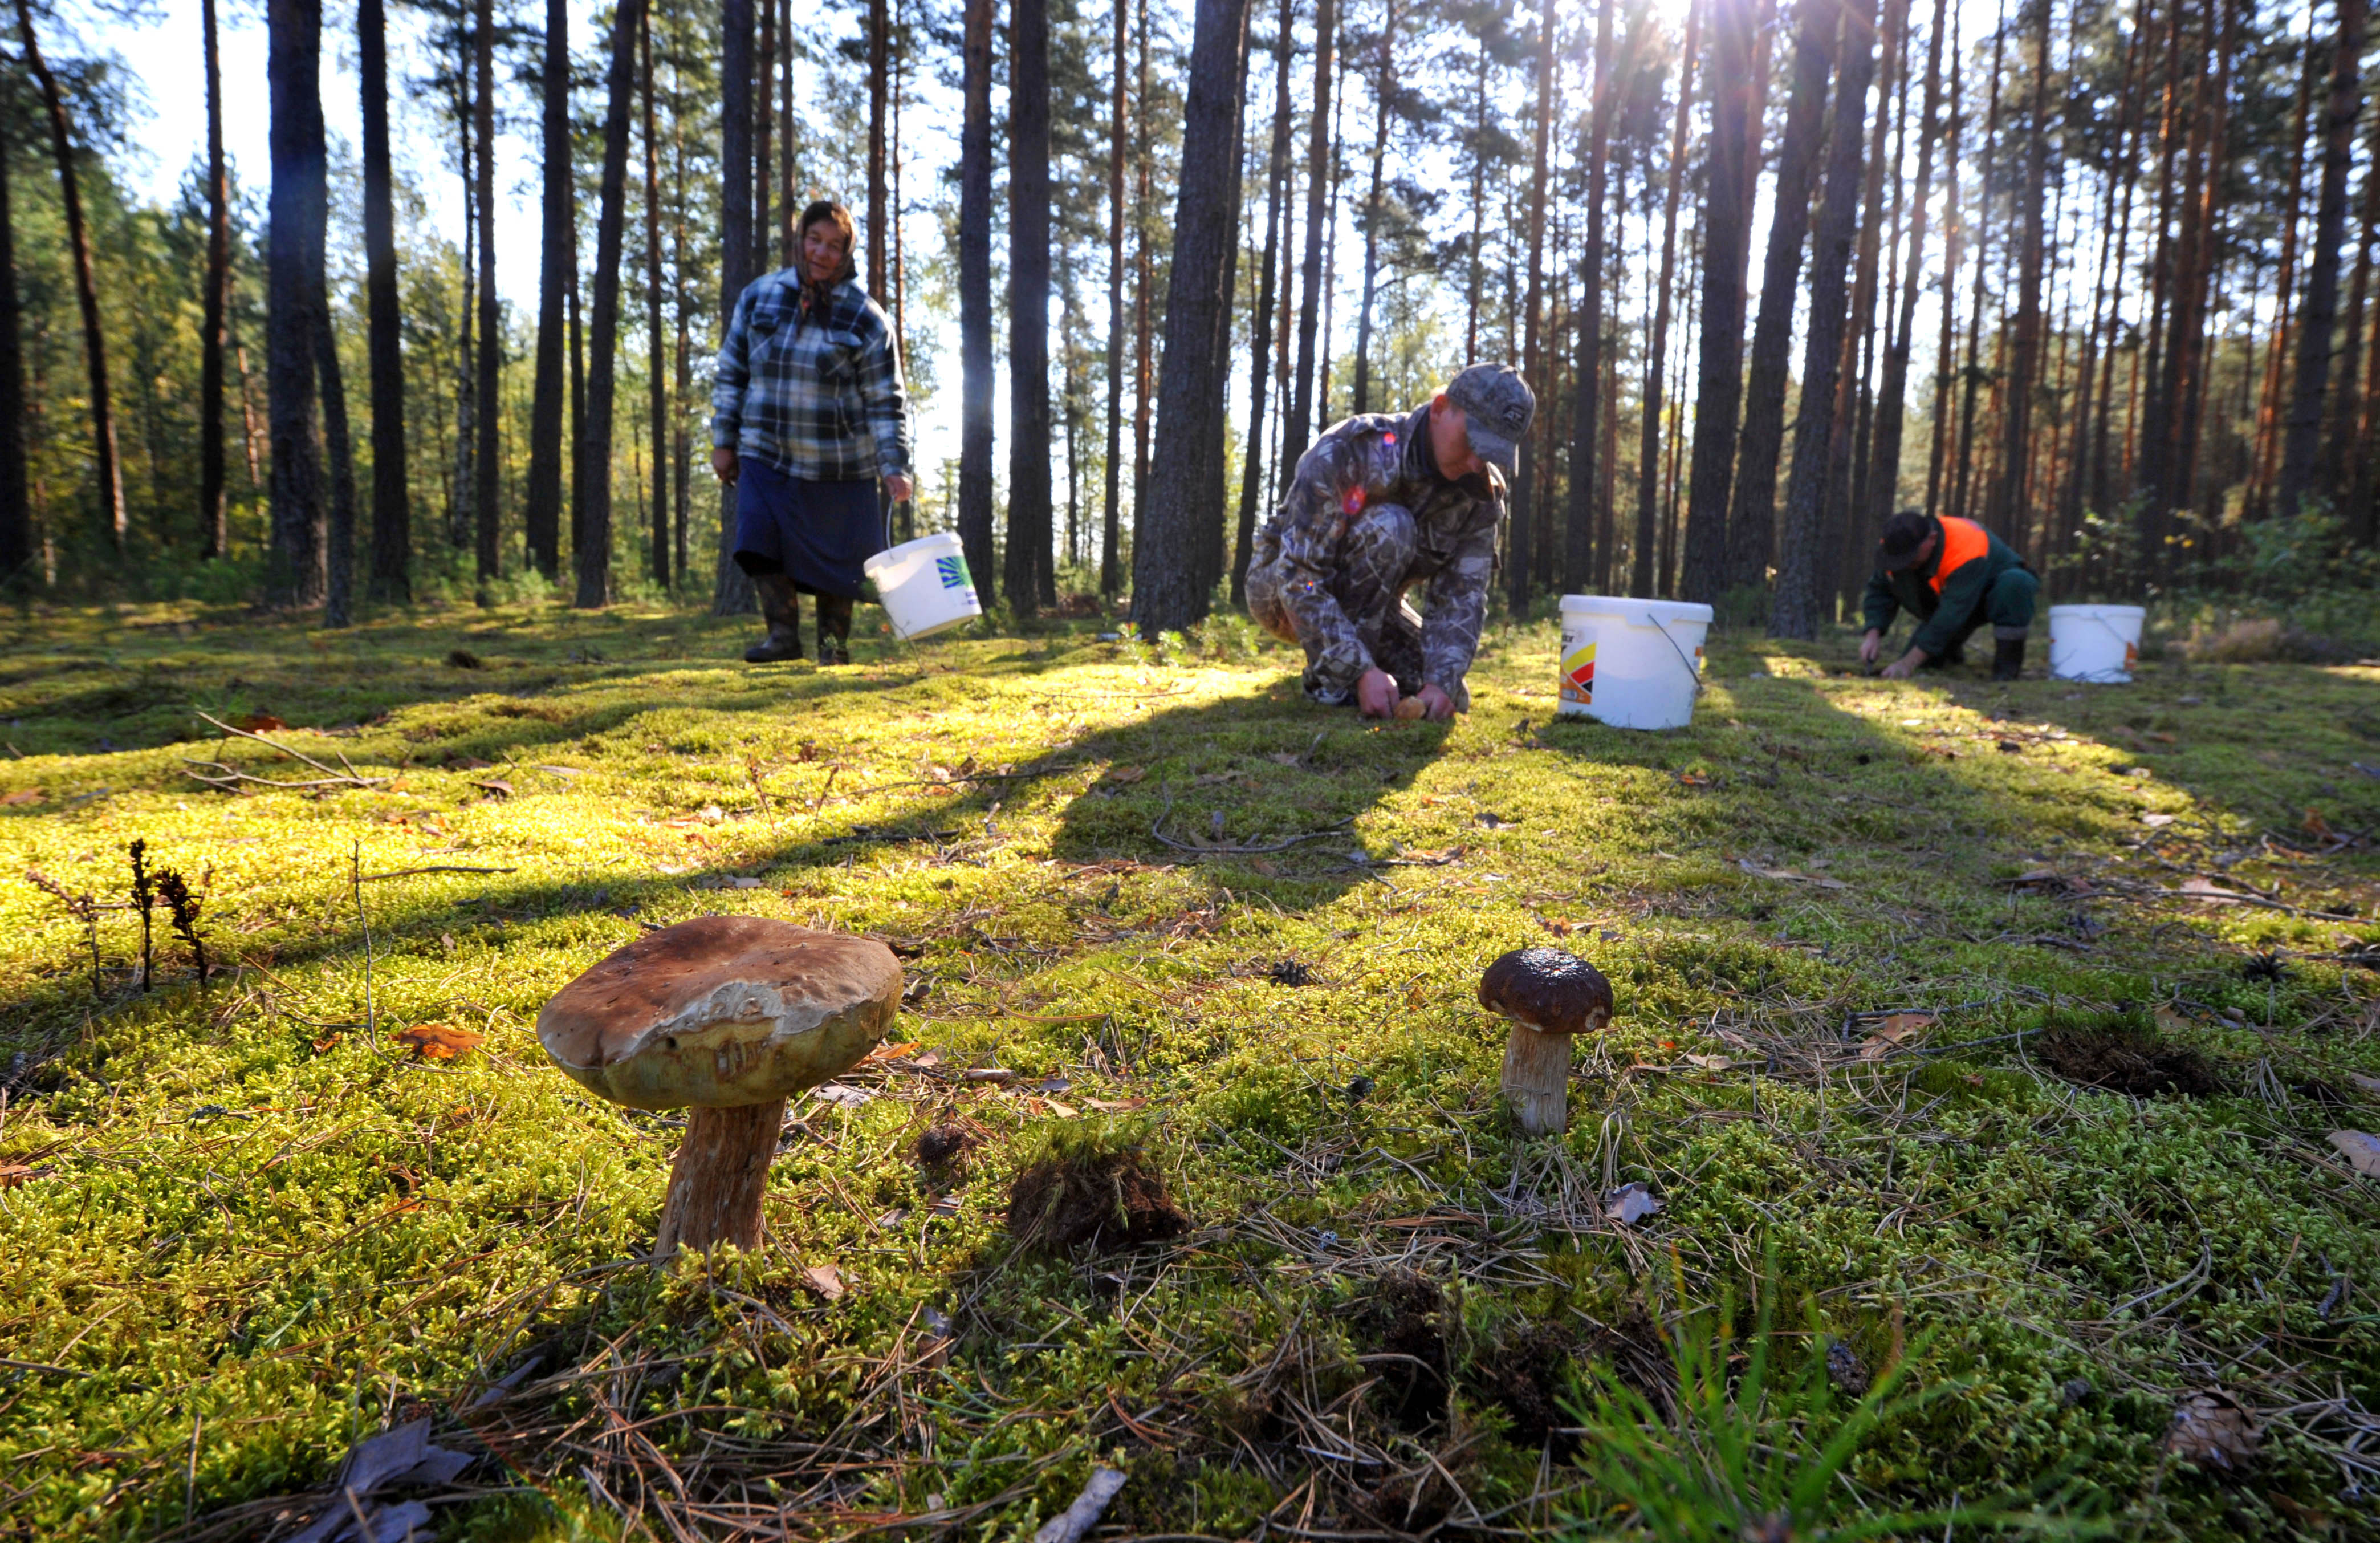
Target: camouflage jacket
(1384, 458)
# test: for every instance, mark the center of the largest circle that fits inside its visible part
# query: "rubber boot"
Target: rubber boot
(835, 629)
(2008, 659)
(782, 608)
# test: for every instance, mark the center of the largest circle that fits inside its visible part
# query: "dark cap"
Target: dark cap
(1498, 406)
(1903, 534)
(1551, 992)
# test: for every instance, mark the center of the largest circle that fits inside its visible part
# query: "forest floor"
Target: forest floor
(1984, 1042)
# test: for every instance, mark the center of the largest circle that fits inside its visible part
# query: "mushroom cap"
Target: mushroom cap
(721, 1013)
(1548, 990)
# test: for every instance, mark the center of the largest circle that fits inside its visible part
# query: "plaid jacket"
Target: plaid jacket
(818, 396)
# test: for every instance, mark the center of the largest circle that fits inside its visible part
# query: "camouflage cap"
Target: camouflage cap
(1499, 404)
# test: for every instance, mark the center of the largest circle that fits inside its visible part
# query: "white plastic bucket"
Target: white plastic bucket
(2097, 643)
(1632, 663)
(924, 585)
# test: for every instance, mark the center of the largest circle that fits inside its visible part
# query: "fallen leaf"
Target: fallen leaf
(2209, 890)
(1711, 1062)
(22, 795)
(825, 1280)
(1630, 1204)
(563, 771)
(844, 1098)
(883, 1053)
(1265, 866)
(261, 722)
(1893, 1032)
(1693, 779)
(14, 1174)
(1126, 775)
(473, 763)
(496, 785)
(1063, 1111)
(2211, 1427)
(1287, 757)
(437, 1041)
(2316, 826)
(2369, 1085)
(2161, 738)
(1761, 871)
(2158, 820)
(2361, 1149)
(726, 881)
(1116, 1105)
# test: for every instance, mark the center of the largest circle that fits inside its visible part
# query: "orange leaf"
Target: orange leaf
(22, 795)
(2316, 826)
(1893, 1032)
(437, 1041)
(883, 1053)
(14, 1174)
(261, 722)
(1126, 773)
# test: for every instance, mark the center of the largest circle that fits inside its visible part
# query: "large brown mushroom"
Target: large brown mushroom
(1548, 996)
(726, 1015)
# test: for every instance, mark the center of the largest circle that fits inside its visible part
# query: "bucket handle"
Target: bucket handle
(1654, 623)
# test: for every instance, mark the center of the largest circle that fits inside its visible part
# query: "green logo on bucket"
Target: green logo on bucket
(953, 571)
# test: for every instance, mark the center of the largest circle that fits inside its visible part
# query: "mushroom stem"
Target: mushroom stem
(1536, 1078)
(718, 1180)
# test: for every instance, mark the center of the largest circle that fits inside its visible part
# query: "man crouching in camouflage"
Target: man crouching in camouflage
(1381, 503)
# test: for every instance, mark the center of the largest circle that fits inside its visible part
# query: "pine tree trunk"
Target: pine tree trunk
(1144, 360)
(2011, 494)
(541, 507)
(1028, 304)
(2314, 332)
(1383, 99)
(1300, 425)
(488, 407)
(298, 216)
(789, 184)
(1795, 611)
(339, 575)
(878, 81)
(2342, 460)
(213, 535)
(392, 506)
(764, 117)
(593, 554)
(1111, 574)
(462, 485)
(16, 505)
(975, 299)
(1261, 326)
(1524, 488)
(732, 593)
(1579, 546)
(656, 387)
(1846, 452)
(1641, 580)
(1168, 559)
(1752, 518)
(1726, 239)
(1891, 400)
(109, 464)
(1478, 209)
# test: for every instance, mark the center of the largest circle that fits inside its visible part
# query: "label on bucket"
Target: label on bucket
(1578, 675)
(954, 572)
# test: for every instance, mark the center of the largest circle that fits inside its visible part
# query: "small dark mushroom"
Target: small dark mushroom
(1549, 996)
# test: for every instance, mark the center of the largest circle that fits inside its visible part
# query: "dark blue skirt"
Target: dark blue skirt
(819, 533)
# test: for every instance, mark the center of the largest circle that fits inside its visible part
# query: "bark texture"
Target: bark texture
(719, 1179)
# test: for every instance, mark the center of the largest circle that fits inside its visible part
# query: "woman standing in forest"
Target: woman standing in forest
(808, 411)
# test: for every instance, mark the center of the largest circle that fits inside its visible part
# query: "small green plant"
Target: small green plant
(1749, 1450)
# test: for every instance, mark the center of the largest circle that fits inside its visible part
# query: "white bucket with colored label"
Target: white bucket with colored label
(2095, 643)
(1632, 663)
(924, 585)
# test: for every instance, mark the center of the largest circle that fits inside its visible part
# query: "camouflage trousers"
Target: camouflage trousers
(1376, 561)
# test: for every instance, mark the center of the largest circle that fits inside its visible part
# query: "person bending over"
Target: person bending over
(807, 412)
(1954, 576)
(1380, 503)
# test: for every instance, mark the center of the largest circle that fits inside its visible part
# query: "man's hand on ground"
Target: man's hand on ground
(1375, 694)
(1436, 705)
(723, 464)
(1906, 666)
(1870, 646)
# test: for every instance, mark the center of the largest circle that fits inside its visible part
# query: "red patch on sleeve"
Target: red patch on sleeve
(1388, 439)
(1353, 503)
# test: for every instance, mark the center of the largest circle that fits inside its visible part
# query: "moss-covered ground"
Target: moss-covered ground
(245, 1225)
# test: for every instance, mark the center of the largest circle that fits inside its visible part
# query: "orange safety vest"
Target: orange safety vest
(1963, 543)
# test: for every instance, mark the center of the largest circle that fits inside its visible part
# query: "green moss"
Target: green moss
(253, 1219)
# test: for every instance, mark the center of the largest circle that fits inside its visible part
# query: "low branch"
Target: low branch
(231, 776)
